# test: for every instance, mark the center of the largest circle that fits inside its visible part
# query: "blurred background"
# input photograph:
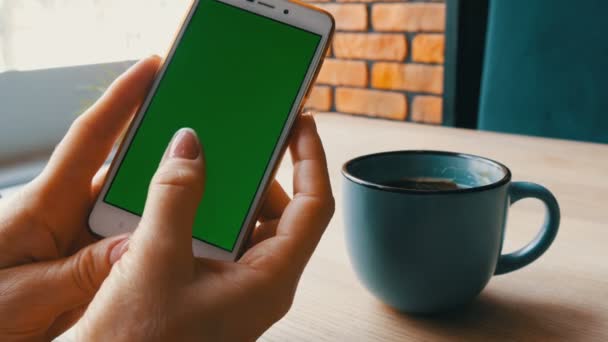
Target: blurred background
(57, 57)
(42, 34)
(386, 61)
(503, 65)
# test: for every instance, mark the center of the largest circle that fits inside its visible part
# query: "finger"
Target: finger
(310, 175)
(313, 203)
(305, 218)
(92, 135)
(98, 180)
(83, 238)
(165, 230)
(263, 232)
(60, 285)
(64, 322)
(275, 203)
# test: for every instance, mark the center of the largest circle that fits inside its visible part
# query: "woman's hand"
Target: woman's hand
(47, 274)
(158, 291)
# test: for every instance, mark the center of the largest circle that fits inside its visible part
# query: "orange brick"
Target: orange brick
(412, 17)
(428, 48)
(371, 102)
(349, 17)
(320, 98)
(341, 72)
(427, 109)
(377, 46)
(367, 1)
(410, 77)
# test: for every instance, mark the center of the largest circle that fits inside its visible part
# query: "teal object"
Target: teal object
(545, 69)
(432, 251)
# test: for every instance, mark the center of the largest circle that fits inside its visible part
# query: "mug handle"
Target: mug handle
(522, 257)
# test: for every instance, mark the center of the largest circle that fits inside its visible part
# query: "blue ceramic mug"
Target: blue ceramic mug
(431, 250)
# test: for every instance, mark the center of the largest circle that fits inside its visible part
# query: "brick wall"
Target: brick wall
(386, 60)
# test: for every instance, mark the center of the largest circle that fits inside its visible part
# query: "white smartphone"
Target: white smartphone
(237, 73)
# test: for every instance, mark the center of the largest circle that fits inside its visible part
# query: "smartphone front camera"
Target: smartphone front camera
(286, 11)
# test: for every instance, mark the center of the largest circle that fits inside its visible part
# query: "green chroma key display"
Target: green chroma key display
(234, 78)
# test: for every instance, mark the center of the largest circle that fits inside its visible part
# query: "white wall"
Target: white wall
(38, 34)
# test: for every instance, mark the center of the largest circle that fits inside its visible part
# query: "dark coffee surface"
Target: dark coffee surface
(423, 184)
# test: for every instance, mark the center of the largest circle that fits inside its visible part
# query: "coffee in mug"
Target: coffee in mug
(423, 184)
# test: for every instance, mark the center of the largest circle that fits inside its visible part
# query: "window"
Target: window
(58, 56)
(40, 34)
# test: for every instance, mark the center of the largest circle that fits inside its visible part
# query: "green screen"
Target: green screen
(234, 78)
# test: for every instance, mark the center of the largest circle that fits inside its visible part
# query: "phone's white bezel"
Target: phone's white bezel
(108, 220)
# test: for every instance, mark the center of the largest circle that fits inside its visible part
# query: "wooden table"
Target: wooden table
(562, 296)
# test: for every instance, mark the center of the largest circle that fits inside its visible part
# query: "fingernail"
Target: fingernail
(118, 250)
(154, 57)
(184, 144)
